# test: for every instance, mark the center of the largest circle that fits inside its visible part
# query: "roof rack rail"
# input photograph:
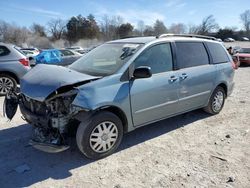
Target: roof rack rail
(186, 35)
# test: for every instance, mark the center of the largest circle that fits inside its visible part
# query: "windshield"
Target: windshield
(105, 59)
(244, 50)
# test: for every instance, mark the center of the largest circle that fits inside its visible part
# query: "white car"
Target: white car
(229, 40)
(31, 56)
(74, 48)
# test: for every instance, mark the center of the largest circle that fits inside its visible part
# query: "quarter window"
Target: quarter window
(190, 54)
(4, 51)
(158, 58)
(219, 54)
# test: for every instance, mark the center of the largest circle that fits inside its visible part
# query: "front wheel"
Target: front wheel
(216, 101)
(101, 136)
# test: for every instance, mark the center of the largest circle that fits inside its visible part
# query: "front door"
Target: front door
(156, 97)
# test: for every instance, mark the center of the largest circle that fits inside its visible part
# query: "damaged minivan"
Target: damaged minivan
(120, 86)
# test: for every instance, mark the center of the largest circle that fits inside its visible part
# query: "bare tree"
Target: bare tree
(10, 33)
(38, 30)
(178, 28)
(109, 26)
(193, 29)
(141, 27)
(56, 28)
(245, 18)
(148, 31)
(208, 25)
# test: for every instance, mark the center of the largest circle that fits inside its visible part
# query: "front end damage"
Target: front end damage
(45, 101)
(50, 118)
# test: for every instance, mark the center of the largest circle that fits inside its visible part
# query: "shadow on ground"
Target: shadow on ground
(15, 151)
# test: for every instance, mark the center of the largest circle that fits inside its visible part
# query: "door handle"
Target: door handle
(173, 78)
(183, 76)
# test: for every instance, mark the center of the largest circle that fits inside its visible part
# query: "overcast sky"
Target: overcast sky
(25, 12)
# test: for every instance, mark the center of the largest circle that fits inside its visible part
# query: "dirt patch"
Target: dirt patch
(190, 150)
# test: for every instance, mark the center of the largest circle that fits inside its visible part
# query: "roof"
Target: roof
(144, 40)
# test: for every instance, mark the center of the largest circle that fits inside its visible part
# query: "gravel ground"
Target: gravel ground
(190, 150)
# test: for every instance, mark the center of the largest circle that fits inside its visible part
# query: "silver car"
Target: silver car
(68, 57)
(120, 86)
(13, 65)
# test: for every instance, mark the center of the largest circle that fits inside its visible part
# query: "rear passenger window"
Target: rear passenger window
(219, 55)
(4, 51)
(190, 54)
(158, 57)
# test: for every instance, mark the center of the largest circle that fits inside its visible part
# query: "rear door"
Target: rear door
(156, 97)
(196, 75)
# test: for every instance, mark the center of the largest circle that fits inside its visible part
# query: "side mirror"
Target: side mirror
(142, 72)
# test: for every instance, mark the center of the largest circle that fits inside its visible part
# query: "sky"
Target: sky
(25, 12)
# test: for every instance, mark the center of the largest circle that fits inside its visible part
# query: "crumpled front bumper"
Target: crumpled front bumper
(49, 148)
(33, 118)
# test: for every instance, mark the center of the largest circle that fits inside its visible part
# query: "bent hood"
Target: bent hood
(42, 80)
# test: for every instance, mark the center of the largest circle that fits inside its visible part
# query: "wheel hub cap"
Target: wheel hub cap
(103, 137)
(218, 101)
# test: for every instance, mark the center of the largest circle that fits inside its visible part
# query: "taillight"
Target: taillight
(24, 62)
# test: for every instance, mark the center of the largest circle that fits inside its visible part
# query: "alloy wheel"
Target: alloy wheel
(218, 101)
(5, 85)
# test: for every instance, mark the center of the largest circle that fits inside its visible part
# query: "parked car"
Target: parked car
(236, 49)
(245, 39)
(229, 40)
(13, 65)
(31, 55)
(84, 51)
(244, 56)
(49, 56)
(120, 86)
(69, 56)
(34, 51)
(75, 48)
(219, 40)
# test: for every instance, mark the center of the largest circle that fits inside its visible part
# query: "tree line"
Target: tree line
(109, 28)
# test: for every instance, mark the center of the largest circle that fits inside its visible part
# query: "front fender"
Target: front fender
(96, 97)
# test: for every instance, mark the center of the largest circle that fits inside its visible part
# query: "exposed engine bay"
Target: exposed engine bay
(50, 118)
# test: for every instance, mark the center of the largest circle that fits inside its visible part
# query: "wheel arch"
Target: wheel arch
(13, 75)
(118, 112)
(224, 86)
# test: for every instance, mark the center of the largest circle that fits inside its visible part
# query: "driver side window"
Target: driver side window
(158, 58)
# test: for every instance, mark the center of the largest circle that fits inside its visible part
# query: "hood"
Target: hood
(243, 55)
(42, 80)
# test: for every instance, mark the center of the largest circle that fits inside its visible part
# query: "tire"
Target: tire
(214, 107)
(6, 83)
(92, 135)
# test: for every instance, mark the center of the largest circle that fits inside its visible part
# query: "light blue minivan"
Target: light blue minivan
(120, 86)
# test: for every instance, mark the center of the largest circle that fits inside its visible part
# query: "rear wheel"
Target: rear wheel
(6, 83)
(216, 101)
(101, 136)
